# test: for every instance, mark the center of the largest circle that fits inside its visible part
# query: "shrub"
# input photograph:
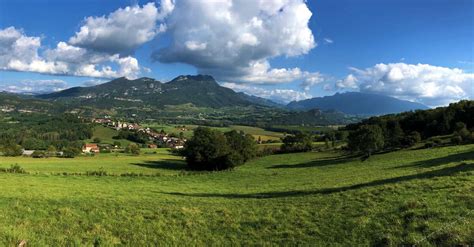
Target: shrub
(132, 148)
(429, 144)
(411, 139)
(13, 150)
(456, 139)
(299, 142)
(70, 152)
(13, 169)
(38, 154)
(96, 140)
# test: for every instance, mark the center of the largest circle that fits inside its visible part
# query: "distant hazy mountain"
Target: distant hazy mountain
(200, 90)
(357, 104)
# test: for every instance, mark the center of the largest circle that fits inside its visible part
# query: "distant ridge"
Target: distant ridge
(199, 90)
(355, 103)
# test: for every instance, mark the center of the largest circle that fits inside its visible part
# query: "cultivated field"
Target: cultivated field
(423, 197)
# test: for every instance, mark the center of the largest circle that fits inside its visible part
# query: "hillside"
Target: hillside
(357, 104)
(408, 197)
(199, 90)
(20, 103)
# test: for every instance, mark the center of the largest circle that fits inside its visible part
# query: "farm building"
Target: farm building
(90, 148)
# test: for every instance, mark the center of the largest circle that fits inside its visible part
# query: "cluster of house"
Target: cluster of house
(161, 138)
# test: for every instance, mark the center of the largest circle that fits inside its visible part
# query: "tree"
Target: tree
(51, 151)
(366, 139)
(242, 145)
(207, 150)
(12, 150)
(117, 144)
(300, 142)
(96, 140)
(71, 152)
(411, 139)
(132, 148)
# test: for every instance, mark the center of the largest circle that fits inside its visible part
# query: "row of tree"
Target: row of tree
(406, 129)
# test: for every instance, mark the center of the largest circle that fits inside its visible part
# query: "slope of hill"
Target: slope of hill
(10, 102)
(404, 198)
(357, 104)
(200, 90)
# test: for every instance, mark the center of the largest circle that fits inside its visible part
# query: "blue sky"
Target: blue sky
(419, 50)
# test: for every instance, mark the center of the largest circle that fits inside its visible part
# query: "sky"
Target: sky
(284, 50)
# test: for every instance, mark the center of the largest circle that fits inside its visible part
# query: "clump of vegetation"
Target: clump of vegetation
(71, 152)
(13, 169)
(12, 150)
(133, 149)
(299, 142)
(212, 150)
(406, 129)
(367, 139)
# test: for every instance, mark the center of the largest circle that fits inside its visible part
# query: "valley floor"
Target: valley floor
(412, 197)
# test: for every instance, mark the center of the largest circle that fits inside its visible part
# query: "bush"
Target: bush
(429, 145)
(411, 139)
(96, 140)
(13, 169)
(132, 148)
(299, 142)
(13, 150)
(38, 154)
(71, 152)
(456, 139)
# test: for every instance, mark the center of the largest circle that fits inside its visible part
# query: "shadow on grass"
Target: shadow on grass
(167, 164)
(448, 171)
(319, 162)
(459, 157)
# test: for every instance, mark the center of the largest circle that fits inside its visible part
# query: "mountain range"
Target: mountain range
(355, 103)
(199, 90)
(204, 91)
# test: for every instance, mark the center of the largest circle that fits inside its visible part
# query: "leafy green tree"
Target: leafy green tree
(71, 152)
(117, 144)
(12, 150)
(411, 139)
(51, 151)
(132, 148)
(242, 144)
(207, 150)
(300, 142)
(366, 139)
(97, 140)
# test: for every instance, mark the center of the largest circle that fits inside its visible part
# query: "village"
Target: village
(153, 140)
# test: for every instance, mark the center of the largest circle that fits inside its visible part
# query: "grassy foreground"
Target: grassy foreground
(412, 197)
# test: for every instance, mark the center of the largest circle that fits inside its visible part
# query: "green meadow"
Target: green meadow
(421, 197)
(188, 130)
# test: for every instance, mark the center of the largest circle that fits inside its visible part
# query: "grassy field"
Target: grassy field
(188, 130)
(106, 135)
(412, 197)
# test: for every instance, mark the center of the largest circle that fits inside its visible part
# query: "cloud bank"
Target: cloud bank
(234, 40)
(424, 83)
(282, 96)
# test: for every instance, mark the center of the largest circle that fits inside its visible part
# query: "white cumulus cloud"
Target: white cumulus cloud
(122, 30)
(19, 52)
(424, 83)
(33, 86)
(233, 40)
(277, 95)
